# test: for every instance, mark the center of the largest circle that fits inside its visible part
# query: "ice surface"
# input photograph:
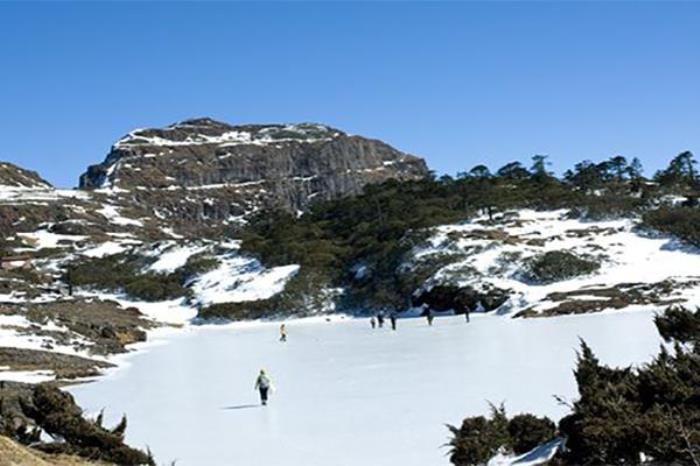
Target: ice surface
(347, 394)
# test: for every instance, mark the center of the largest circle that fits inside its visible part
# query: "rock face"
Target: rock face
(206, 171)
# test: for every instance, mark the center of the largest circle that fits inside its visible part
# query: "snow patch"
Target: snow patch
(239, 279)
(111, 213)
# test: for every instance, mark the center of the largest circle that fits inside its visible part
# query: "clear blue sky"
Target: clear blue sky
(457, 83)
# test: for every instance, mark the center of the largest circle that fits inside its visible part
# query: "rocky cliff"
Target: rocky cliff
(205, 171)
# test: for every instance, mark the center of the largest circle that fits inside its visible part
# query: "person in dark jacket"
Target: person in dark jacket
(392, 318)
(466, 313)
(380, 320)
(263, 384)
(429, 315)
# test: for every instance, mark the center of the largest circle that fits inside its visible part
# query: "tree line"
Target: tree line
(376, 230)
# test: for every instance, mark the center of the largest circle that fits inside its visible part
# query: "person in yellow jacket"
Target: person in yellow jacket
(283, 332)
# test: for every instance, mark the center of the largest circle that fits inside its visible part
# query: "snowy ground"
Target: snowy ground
(485, 253)
(348, 395)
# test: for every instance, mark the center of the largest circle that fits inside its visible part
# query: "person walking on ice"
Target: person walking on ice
(283, 332)
(373, 322)
(392, 318)
(263, 385)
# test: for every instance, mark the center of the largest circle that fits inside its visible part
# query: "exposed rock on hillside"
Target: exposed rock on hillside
(64, 366)
(16, 177)
(28, 203)
(203, 170)
(460, 300)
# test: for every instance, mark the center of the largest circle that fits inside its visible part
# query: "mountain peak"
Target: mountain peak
(203, 170)
(199, 131)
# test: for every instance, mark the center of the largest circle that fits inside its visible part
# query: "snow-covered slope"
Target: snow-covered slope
(637, 268)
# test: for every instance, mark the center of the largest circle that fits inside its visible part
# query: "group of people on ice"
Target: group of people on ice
(263, 383)
(378, 320)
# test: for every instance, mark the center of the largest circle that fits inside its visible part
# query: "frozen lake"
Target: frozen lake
(347, 394)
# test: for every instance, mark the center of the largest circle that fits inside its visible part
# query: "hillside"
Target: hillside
(203, 222)
(154, 223)
(520, 242)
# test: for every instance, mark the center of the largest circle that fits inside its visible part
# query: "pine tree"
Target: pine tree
(513, 171)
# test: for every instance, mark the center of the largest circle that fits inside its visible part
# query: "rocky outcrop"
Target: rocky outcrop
(12, 176)
(461, 299)
(205, 171)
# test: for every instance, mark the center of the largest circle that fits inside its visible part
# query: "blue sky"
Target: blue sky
(457, 83)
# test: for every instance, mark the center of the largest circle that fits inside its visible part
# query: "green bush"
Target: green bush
(683, 222)
(654, 411)
(622, 414)
(109, 272)
(248, 310)
(527, 431)
(677, 324)
(199, 264)
(609, 206)
(155, 287)
(554, 266)
(479, 438)
(122, 272)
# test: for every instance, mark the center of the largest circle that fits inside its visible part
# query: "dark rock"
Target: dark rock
(460, 299)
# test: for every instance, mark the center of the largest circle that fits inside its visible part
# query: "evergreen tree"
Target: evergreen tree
(619, 167)
(586, 176)
(635, 169)
(680, 173)
(480, 172)
(513, 171)
(539, 170)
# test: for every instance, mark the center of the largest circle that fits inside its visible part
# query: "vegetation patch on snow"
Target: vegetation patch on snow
(554, 266)
(481, 438)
